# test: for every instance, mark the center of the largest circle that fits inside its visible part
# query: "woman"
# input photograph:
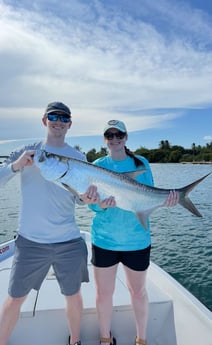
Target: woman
(117, 236)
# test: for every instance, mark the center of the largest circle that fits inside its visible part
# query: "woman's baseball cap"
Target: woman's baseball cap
(117, 125)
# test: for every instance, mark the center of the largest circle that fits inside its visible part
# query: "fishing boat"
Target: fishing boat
(176, 317)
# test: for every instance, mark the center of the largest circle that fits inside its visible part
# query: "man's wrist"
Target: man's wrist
(15, 170)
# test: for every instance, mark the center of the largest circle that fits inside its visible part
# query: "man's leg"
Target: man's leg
(74, 314)
(9, 316)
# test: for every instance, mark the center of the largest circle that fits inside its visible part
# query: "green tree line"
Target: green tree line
(166, 153)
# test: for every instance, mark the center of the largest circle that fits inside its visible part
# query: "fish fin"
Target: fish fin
(143, 216)
(70, 189)
(143, 219)
(134, 174)
(184, 199)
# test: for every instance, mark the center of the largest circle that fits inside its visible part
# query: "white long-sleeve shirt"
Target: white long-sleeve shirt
(47, 211)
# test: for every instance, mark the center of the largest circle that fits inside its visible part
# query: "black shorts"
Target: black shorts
(137, 260)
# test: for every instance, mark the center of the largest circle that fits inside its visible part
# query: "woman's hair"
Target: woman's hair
(137, 161)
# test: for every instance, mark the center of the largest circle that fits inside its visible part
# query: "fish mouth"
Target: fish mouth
(46, 155)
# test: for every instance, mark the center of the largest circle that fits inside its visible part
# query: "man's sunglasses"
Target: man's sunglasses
(118, 135)
(56, 117)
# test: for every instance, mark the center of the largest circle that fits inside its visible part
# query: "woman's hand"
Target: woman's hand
(172, 199)
(109, 202)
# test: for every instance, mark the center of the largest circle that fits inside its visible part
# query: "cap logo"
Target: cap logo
(113, 122)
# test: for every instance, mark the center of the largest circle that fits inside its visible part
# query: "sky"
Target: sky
(147, 63)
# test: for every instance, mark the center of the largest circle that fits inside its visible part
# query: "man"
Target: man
(46, 218)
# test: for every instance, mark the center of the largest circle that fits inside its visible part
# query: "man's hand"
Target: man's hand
(26, 159)
(91, 196)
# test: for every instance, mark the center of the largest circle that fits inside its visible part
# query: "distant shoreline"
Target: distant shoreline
(195, 162)
(192, 162)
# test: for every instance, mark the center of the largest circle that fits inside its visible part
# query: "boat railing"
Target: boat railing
(3, 158)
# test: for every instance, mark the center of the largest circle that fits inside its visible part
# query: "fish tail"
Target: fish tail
(184, 199)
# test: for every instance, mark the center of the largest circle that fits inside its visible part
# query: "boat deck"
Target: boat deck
(43, 317)
(173, 311)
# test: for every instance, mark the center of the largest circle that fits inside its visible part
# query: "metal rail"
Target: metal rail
(3, 157)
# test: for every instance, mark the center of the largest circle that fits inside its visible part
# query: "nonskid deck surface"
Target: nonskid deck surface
(43, 319)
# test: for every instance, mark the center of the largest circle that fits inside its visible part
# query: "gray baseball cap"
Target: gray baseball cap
(58, 107)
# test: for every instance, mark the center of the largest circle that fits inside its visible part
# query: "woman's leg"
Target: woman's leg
(136, 282)
(105, 284)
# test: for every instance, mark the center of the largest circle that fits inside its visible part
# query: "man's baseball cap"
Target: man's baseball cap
(59, 107)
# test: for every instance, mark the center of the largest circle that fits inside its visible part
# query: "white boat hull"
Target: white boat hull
(175, 316)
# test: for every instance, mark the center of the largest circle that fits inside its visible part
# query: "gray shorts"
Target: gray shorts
(33, 260)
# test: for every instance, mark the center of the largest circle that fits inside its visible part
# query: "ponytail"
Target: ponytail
(137, 161)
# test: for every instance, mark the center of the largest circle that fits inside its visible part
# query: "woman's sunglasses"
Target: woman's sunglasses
(56, 117)
(118, 135)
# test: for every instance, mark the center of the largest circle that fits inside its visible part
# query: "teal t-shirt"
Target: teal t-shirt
(115, 228)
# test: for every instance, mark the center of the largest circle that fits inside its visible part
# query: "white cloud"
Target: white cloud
(208, 137)
(82, 121)
(102, 62)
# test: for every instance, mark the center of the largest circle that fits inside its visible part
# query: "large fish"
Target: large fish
(76, 176)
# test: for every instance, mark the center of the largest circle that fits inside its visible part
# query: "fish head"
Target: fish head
(50, 165)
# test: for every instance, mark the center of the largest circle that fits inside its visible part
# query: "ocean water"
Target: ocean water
(181, 242)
